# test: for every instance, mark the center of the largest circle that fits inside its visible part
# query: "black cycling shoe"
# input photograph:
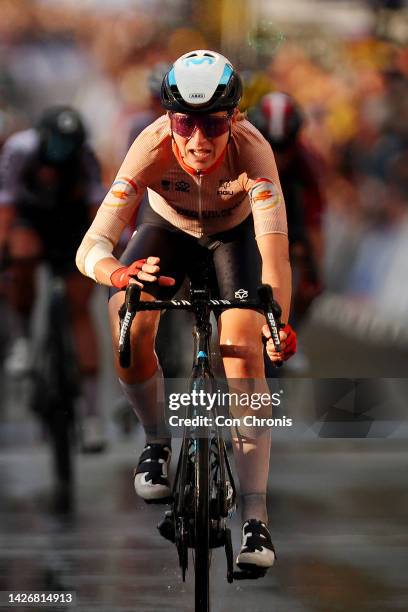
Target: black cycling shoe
(151, 475)
(257, 553)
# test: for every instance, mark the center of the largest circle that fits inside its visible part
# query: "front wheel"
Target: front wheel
(202, 529)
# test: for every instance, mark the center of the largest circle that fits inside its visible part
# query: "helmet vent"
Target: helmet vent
(174, 90)
(219, 90)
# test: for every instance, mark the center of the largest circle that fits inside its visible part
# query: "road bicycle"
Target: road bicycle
(204, 492)
(53, 382)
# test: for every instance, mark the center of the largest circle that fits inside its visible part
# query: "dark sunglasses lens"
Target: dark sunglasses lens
(183, 125)
(214, 126)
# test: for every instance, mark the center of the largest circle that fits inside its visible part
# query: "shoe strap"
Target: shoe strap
(259, 537)
(152, 459)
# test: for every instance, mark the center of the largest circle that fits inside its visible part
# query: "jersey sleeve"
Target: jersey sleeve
(146, 159)
(261, 181)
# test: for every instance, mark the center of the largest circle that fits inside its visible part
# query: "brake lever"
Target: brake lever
(132, 297)
(272, 312)
(127, 313)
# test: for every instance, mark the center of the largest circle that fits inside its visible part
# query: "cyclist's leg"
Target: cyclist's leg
(145, 367)
(242, 354)
(25, 248)
(143, 382)
(238, 266)
(79, 290)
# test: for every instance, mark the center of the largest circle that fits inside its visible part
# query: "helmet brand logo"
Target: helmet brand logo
(199, 60)
(197, 96)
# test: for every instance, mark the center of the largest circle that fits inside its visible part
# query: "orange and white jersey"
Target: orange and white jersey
(245, 179)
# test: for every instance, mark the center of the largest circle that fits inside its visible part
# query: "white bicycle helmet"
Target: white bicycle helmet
(201, 81)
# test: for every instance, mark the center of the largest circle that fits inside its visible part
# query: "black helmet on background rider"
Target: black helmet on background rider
(62, 134)
(155, 79)
(201, 82)
(278, 118)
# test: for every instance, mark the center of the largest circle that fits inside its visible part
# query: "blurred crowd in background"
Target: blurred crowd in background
(346, 63)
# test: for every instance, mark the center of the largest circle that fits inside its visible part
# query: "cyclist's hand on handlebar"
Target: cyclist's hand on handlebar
(288, 339)
(145, 270)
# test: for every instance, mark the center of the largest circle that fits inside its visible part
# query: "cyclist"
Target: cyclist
(50, 187)
(205, 169)
(279, 119)
(144, 118)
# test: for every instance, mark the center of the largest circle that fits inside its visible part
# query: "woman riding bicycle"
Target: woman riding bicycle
(212, 186)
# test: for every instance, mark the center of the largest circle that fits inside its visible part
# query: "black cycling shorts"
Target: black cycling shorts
(230, 259)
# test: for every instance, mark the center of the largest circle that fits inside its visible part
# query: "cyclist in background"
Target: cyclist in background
(50, 187)
(279, 119)
(213, 187)
(145, 117)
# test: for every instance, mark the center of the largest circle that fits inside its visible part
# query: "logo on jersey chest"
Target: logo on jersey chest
(180, 186)
(224, 187)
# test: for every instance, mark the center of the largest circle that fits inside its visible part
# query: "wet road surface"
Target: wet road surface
(337, 508)
(337, 513)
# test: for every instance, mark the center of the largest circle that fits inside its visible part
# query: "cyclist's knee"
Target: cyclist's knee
(143, 337)
(241, 344)
(24, 244)
(242, 360)
(144, 365)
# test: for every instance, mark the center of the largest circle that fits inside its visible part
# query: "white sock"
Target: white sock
(148, 402)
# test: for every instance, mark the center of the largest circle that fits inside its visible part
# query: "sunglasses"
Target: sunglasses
(211, 125)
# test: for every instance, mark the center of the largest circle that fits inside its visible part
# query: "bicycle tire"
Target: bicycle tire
(60, 426)
(202, 527)
(55, 411)
(55, 390)
(180, 503)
